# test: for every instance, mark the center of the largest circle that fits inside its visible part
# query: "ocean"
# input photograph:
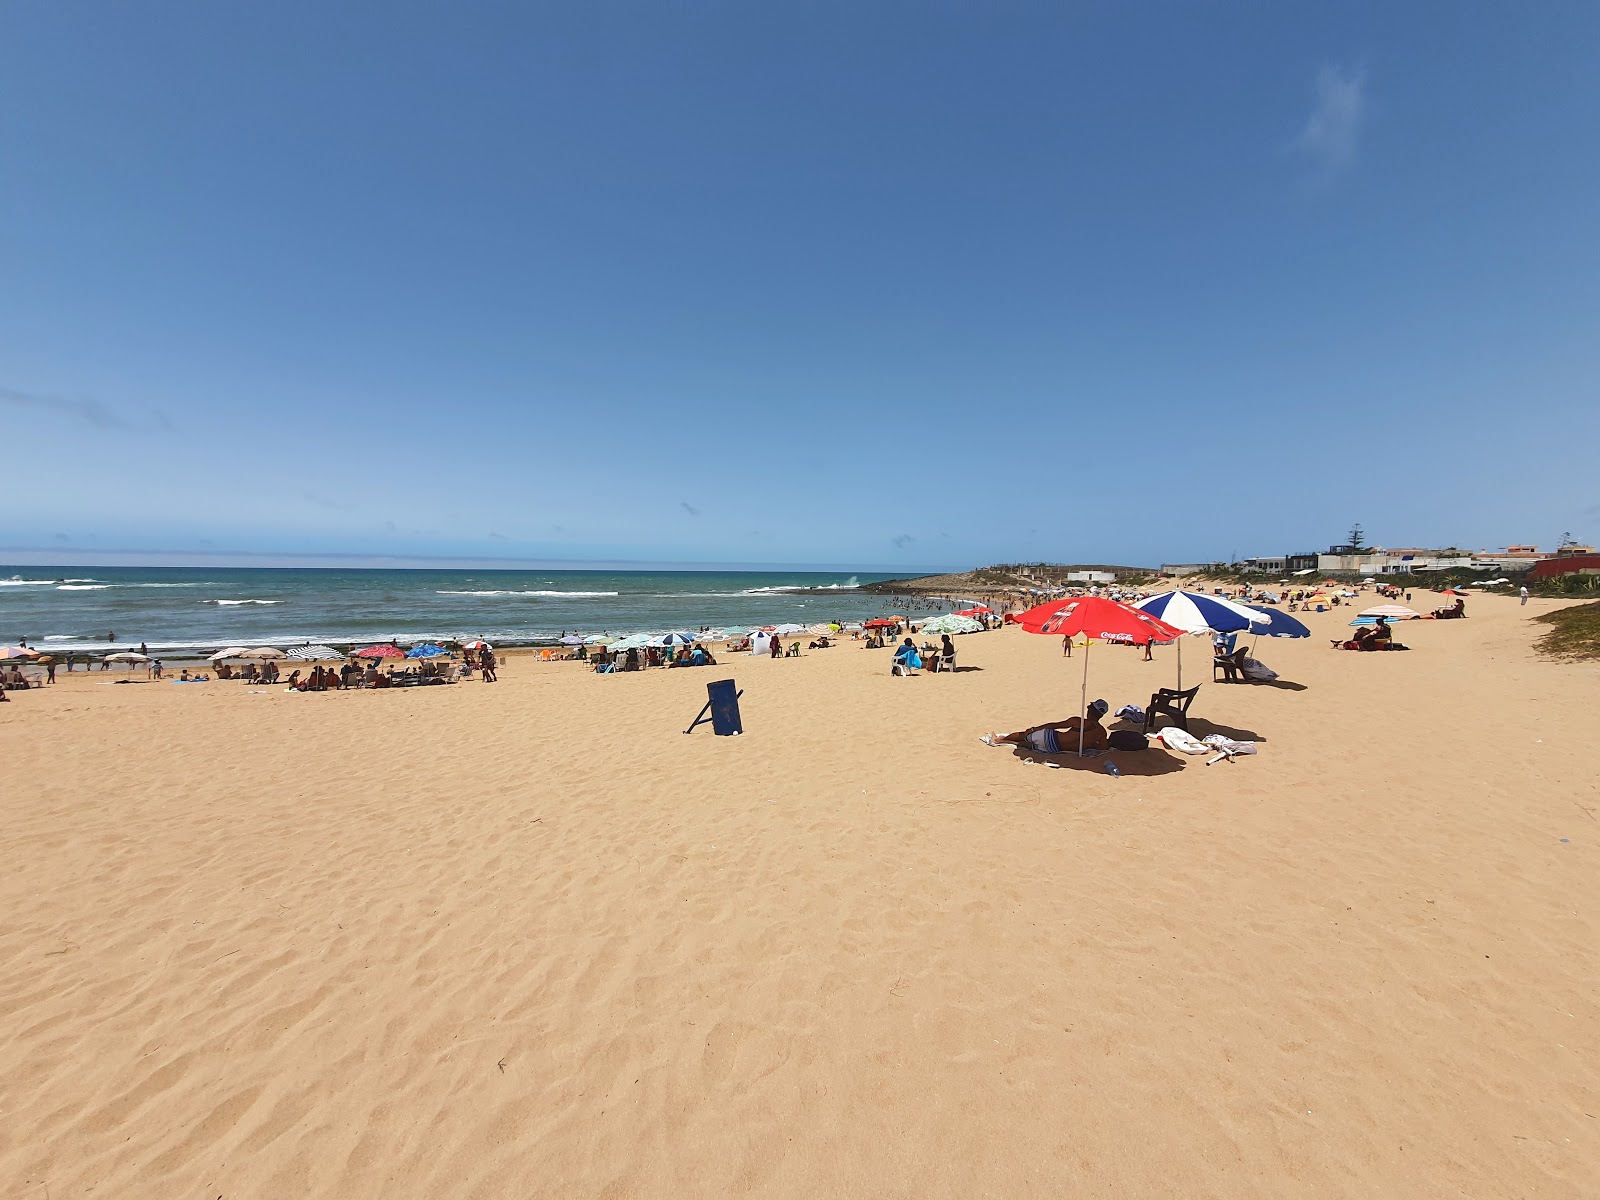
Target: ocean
(180, 608)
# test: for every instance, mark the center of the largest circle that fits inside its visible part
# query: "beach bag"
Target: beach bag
(1127, 739)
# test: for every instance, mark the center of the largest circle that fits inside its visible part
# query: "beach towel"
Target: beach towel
(1131, 712)
(1227, 748)
(1254, 668)
(1180, 740)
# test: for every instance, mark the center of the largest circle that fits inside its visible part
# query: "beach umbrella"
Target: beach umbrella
(18, 652)
(426, 650)
(572, 639)
(1094, 617)
(975, 610)
(879, 623)
(673, 639)
(952, 624)
(229, 652)
(1193, 612)
(379, 651)
(1395, 612)
(789, 627)
(263, 652)
(1279, 624)
(128, 656)
(480, 644)
(313, 654)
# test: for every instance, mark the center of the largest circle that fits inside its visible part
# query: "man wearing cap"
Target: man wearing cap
(1057, 737)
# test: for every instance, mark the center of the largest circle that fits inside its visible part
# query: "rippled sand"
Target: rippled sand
(528, 940)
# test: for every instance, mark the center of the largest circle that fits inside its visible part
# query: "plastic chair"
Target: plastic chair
(1174, 703)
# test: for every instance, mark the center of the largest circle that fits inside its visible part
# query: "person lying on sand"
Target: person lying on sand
(1059, 737)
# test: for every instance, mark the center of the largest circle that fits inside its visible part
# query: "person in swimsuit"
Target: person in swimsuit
(1059, 737)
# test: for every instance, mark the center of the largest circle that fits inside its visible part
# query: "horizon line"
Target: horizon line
(33, 556)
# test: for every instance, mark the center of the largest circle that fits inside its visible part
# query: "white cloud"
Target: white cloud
(1331, 137)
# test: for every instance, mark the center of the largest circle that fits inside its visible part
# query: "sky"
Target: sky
(879, 285)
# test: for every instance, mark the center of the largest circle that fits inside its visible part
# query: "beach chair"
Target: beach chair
(1174, 703)
(1231, 666)
(947, 662)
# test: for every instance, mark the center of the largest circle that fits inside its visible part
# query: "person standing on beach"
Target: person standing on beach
(143, 649)
(487, 661)
(1524, 593)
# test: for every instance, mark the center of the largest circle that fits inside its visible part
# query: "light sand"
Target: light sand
(526, 939)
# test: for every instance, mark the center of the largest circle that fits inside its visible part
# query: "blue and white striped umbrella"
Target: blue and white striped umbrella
(1280, 624)
(1195, 611)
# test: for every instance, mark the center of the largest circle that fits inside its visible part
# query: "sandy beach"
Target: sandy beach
(527, 939)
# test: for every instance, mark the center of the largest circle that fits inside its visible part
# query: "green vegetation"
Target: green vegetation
(1574, 632)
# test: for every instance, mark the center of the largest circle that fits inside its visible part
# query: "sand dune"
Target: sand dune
(528, 940)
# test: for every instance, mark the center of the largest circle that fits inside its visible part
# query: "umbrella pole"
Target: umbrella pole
(1083, 697)
(1180, 662)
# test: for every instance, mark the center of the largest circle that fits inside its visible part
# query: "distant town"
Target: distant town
(1355, 558)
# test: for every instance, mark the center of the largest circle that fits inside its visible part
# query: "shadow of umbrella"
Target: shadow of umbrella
(1153, 761)
(1202, 729)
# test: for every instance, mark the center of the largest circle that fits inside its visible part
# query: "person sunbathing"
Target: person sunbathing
(1059, 737)
(1458, 609)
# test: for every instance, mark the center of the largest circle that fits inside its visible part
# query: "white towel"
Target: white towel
(1178, 739)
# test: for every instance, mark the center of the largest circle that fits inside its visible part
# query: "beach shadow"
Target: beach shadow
(1153, 761)
(962, 670)
(1202, 728)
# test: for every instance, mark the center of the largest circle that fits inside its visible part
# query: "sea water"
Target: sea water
(182, 608)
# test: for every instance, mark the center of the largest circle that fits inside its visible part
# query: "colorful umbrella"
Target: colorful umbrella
(480, 644)
(1094, 617)
(383, 651)
(426, 650)
(18, 652)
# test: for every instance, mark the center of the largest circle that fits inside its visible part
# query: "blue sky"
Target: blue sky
(876, 285)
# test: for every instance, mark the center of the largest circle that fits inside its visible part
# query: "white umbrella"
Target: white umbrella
(230, 652)
(128, 656)
(1395, 612)
(262, 652)
(788, 628)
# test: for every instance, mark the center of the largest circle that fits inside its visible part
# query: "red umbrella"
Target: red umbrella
(384, 651)
(878, 623)
(1092, 617)
(1095, 617)
(974, 611)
